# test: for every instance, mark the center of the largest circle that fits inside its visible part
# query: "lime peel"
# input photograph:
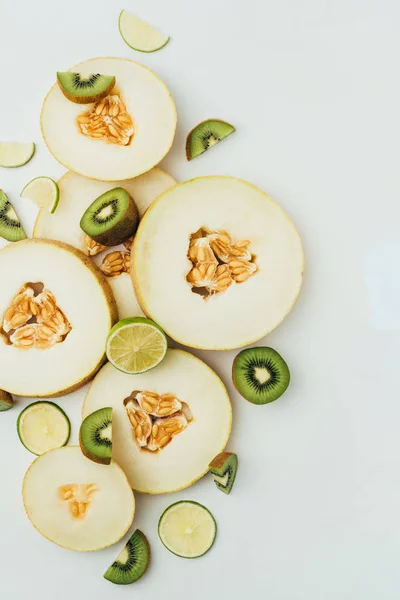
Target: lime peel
(42, 191)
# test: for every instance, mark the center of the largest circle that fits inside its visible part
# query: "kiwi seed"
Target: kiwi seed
(205, 135)
(95, 436)
(10, 225)
(84, 90)
(132, 562)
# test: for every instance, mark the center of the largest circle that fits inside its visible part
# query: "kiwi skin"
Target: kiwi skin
(86, 99)
(6, 401)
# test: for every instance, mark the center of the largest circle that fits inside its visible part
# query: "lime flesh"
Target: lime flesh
(15, 154)
(43, 192)
(43, 426)
(140, 35)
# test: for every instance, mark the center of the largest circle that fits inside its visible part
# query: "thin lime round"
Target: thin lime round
(136, 345)
(139, 35)
(44, 192)
(43, 426)
(15, 154)
(187, 529)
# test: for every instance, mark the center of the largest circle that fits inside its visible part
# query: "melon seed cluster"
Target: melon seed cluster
(217, 262)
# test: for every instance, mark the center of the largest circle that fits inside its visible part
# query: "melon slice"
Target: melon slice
(228, 266)
(136, 128)
(56, 309)
(76, 195)
(76, 503)
(168, 423)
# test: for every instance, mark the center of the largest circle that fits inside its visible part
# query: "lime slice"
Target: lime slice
(44, 192)
(187, 529)
(136, 345)
(139, 35)
(43, 426)
(15, 154)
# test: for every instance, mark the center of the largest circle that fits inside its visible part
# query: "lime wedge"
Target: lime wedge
(187, 529)
(15, 154)
(44, 192)
(43, 426)
(136, 345)
(139, 35)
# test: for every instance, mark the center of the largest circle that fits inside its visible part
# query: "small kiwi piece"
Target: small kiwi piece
(6, 401)
(84, 90)
(10, 225)
(132, 562)
(205, 135)
(224, 468)
(260, 374)
(112, 218)
(95, 436)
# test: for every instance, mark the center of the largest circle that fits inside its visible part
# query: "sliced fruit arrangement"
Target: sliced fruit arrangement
(53, 303)
(85, 89)
(136, 345)
(43, 426)
(95, 436)
(119, 137)
(132, 562)
(76, 503)
(10, 225)
(245, 263)
(187, 529)
(205, 135)
(139, 35)
(260, 375)
(224, 468)
(6, 401)
(15, 154)
(44, 192)
(111, 219)
(161, 420)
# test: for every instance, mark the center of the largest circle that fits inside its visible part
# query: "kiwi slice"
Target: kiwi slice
(6, 401)
(95, 436)
(205, 135)
(112, 218)
(224, 467)
(260, 375)
(132, 562)
(84, 90)
(10, 225)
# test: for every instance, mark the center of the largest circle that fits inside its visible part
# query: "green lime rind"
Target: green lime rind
(56, 407)
(55, 188)
(6, 401)
(160, 523)
(134, 321)
(149, 51)
(126, 568)
(205, 135)
(25, 160)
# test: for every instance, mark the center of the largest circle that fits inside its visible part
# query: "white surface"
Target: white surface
(313, 90)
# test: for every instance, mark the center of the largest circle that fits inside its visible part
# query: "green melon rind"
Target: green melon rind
(55, 406)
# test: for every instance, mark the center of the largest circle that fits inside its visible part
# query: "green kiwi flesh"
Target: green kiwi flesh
(95, 436)
(132, 562)
(6, 401)
(260, 375)
(112, 218)
(205, 135)
(224, 468)
(84, 90)
(10, 225)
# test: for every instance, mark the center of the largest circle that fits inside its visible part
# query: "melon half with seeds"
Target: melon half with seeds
(118, 137)
(168, 423)
(56, 309)
(216, 263)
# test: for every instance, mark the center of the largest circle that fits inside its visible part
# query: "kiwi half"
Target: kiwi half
(84, 90)
(112, 218)
(10, 225)
(95, 436)
(260, 375)
(205, 135)
(132, 562)
(224, 467)
(6, 401)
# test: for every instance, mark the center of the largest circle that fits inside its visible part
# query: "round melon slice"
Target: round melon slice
(76, 503)
(56, 309)
(76, 194)
(168, 423)
(216, 263)
(134, 131)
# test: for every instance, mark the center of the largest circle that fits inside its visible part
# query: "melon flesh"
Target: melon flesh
(245, 312)
(186, 458)
(110, 510)
(85, 298)
(76, 194)
(149, 104)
